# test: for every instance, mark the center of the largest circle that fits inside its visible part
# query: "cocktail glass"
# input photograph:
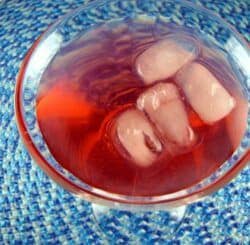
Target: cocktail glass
(120, 217)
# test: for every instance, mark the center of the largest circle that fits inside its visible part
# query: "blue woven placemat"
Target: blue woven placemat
(33, 209)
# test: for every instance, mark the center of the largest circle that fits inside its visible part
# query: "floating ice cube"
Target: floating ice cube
(164, 58)
(137, 137)
(207, 96)
(163, 105)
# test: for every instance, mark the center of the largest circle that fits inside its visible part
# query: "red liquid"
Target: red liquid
(82, 94)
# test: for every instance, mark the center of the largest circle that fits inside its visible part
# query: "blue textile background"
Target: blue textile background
(33, 209)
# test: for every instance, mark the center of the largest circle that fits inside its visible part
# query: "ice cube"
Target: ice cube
(164, 58)
(137, 137)
(207, 96)
(164, 107)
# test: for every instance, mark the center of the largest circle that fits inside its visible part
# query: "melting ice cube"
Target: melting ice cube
(137, 137)
(164, 58)
(207, 96)
(163, 105)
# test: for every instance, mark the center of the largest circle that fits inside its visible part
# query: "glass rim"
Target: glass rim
(113, 199)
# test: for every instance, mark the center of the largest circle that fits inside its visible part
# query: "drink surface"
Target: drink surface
(93, 84)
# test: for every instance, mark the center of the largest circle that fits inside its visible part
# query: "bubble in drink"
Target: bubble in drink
(136, 111)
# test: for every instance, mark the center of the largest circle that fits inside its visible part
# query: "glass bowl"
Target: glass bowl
(181, 13)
